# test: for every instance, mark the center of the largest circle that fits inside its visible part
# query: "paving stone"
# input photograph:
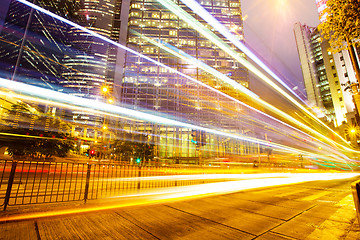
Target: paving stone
(168, 223)
(18, 231)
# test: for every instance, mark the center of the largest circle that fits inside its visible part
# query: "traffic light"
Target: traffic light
(92, 152)
(138, 160)
(194, 136)
(198, 137)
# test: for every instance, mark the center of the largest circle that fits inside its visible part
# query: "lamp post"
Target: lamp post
(105, 91)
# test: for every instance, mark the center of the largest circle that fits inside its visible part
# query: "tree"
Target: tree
(136, 149)
(122, 149)
(23, 141)
(342, 28)
(35, 144)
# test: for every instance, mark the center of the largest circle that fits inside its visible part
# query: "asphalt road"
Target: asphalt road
(312, 210)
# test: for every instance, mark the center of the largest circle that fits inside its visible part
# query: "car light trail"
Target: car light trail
(205, 15)
(243, 89)
(180, 54)
(109, 108)
(216, 40)
(185, 193)
(116, 111)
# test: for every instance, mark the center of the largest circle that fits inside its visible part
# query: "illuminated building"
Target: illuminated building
(309, 59)
(149, 87)
(325, 83)
(32, 44)
(91, 60)
(344, 67)
(63, 55)
(41, 50)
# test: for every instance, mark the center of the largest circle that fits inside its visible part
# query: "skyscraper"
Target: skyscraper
(33, 44)
(334, 73)
(308, 59)
(158, 32)
(343, 65)
(320, 74)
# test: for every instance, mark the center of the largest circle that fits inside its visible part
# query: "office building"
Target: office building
(152, 31)
(325, 84)
(344, 68)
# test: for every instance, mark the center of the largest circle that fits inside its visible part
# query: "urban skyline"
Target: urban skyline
(162, 119)
(209, 87)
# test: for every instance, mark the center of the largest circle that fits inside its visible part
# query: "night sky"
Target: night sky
(269, 30)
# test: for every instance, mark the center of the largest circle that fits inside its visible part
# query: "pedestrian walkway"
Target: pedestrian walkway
(253, 214)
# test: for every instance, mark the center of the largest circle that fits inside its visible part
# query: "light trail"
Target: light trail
(186, 57)
(100, 107)
(205, 15)
(230, 81)
(241, 88)
(70, 101)
(161, 196)
(217, 41)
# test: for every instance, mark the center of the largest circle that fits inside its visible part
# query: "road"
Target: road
(311, 210)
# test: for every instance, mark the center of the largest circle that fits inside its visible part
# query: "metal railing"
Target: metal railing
(355, 187)
(28, 182)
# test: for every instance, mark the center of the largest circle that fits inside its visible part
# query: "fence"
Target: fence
(25, 182)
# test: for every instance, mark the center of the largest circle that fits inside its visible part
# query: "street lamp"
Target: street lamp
(105, 89)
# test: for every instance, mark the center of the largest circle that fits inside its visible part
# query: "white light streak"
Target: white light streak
(109, 108)
(205, 15)
(101, 107)
(212, 38)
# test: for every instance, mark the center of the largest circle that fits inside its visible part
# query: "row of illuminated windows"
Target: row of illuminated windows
(166, 15)
(318, 58)
(209, 60)
(220, 3)
(88, 80)
(318, 54)
(325, 88)
(201, 52)
(159, 23)
(317, 49)
(323, 77)
(86, 65)
(203, 3)
(178, 42)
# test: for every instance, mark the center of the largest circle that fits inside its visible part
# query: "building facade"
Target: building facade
(323, 78)
(77, 63)
(158, 32)
(345, 71)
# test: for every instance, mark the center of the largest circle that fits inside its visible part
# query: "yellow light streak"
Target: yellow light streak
(80, 102)
(212, 36)
(160, 196)
(222, 45)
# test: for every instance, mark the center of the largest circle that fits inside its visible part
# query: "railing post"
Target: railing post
(139, 180)
(87, 183)
(10, 183)
(355, 186)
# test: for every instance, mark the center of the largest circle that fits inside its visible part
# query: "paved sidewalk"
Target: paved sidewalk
(243, 215)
